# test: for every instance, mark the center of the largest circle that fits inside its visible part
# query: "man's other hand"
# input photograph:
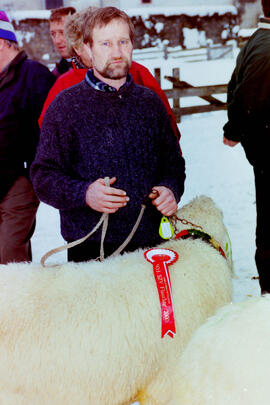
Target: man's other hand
(164, 199)
(228, 142)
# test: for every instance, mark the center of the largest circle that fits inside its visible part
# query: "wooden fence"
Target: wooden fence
(183, 89)
(208, 52)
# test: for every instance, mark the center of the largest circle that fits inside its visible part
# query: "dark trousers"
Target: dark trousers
(17, 222)
(262, 255)
(90, 250)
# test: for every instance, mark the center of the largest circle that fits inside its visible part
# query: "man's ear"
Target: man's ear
(87, 49)
(78, 50)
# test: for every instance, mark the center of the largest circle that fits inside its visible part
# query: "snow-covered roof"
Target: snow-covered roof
(144, 12)
(187, 10)
(24, 14)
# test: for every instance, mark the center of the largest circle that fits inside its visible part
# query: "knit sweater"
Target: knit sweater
(88, 134)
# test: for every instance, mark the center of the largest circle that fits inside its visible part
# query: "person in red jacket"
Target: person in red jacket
(81, 63)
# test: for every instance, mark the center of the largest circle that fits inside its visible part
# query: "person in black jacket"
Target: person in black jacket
(248, 100)
(24, 85)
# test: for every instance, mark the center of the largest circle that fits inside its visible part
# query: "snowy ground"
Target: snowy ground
(213, 169)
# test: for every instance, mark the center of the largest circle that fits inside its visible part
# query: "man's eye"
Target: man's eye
(124, 41)
(106, 43)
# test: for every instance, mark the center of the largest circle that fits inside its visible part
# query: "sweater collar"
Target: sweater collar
(18, 58)
(8, 73)
(98, 84)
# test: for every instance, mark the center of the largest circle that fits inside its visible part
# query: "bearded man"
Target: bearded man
(107, 126)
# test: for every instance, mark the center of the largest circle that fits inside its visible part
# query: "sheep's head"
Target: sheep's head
(202, 213)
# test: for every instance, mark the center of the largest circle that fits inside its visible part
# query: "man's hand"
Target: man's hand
(102, 198)
(164, 199)
(228, 142)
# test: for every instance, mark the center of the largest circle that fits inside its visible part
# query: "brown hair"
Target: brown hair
(58, 13)
(74, 27)
(102, 17)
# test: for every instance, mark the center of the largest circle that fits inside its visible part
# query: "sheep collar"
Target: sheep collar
(196, 233)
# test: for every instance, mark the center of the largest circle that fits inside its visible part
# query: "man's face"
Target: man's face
(111, 51)
(58, 37)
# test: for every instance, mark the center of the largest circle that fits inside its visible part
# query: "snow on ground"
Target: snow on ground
(212, 169)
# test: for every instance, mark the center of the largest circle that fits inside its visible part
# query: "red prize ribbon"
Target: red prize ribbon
(161, 259)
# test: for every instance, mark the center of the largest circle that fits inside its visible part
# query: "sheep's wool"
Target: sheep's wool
(90, 333)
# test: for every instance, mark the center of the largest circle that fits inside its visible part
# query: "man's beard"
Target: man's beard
(115, 71)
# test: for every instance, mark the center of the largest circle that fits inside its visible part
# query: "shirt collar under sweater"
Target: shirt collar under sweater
(98, 84)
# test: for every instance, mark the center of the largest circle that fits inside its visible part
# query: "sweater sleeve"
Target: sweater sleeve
(51, 173)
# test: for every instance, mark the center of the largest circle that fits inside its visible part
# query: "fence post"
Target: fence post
(176, 101)
(208, 51)
(165, 49)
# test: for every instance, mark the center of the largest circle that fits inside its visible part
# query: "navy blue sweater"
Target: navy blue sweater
(89, 134)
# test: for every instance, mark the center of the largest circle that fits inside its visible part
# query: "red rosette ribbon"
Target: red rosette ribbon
(161, 259)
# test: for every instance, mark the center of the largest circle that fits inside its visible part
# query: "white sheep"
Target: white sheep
(227, 361)
(90, 333)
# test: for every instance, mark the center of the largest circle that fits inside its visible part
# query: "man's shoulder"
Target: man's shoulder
(259, 41)
(21, 61)
(255, 50)
(74, 90)
(36, 68)
(147, 94)
(67, 96)
(143, 91)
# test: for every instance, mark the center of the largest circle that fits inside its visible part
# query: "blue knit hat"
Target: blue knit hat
(6, 28)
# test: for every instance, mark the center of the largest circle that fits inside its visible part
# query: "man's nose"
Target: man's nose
(116, 51)
(58, 38)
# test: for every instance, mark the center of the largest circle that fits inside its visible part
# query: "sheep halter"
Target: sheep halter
(161, 259)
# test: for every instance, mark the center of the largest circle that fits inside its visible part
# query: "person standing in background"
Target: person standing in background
(249, 123)
(24, 85)
(57, 24)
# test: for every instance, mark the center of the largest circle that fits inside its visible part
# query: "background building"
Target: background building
(158, 24)
(249, 9)
(125, 4)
